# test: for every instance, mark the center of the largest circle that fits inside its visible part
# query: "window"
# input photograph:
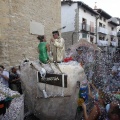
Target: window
(83, 20)
(104, 20)
(91, 39)
(83, 24)
(112, 28)
(100, 24)
(84, 35)
(103, 26)
(111, 38)
(103, 38)
(100, 38)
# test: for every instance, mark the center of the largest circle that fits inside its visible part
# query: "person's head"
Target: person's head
(13, 70)
(41, 38)
(55, 34)
(113, 111)
(79, 50)
(114, 70)
(1, 68)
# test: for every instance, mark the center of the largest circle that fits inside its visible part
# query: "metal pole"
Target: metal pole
(72, 37)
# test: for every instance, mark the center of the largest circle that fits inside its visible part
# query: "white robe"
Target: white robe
(59, 50)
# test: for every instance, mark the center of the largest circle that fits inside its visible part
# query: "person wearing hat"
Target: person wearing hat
(58, 47)
(43, 49)
(80, 56)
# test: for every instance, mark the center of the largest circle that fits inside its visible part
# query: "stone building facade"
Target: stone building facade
(80, 22)
(15, 17)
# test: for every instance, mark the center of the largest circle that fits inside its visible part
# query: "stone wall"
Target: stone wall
(15, 17)
(72, 37)
(69, 37)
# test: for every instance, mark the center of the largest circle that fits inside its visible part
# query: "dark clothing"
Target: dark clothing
(14, 76)
(15, 84)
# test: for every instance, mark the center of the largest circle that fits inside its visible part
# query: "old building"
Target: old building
(106, 29)
(80, 22)
(15, 18)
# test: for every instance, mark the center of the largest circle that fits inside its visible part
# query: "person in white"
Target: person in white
(58, 47)
(4, 76)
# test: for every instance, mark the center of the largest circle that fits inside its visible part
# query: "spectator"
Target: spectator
(98, 110)
(113, 110)
(80, 57)
(4, 76)
(15, 83)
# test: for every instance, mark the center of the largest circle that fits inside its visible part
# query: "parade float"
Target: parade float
(51, 90)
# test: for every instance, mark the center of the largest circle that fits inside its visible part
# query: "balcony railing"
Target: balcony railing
(113, 33)
(102, 43)
(84, 27)
(113, 43)
(102, 30)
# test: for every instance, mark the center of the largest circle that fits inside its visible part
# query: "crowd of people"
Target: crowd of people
(11, 78)
(104, 106)
(103, 75)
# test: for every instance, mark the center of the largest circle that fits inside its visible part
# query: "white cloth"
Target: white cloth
(2, 80)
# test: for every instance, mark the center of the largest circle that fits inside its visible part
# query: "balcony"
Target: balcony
(113, 43)
(102, 43)
(114, 21)
(102, 30)
(113, 33)
(118, 34)
(84, 27)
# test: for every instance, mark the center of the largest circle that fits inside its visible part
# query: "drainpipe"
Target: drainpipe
(97, 17)
(96, 28)
(78, 23)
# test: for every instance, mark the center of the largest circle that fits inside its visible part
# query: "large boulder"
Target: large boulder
(61, 103)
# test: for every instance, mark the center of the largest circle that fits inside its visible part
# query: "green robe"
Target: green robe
(43, 56)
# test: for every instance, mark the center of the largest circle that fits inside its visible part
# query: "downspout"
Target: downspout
(73, 35)
(97, 17)
(78, 22)
(96, 28)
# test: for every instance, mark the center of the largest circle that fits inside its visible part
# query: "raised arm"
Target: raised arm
(89, 92)
(94, 87)
(93, 114)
